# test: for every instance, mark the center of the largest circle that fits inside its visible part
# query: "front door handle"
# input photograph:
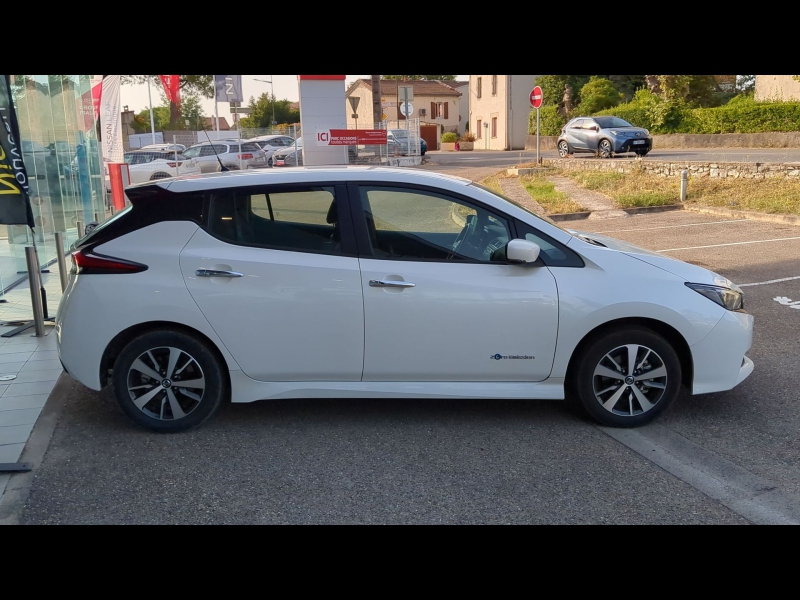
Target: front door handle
(214, 273)
(390, 283)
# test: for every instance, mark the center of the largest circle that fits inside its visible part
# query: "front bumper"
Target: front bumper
(720, 363)
(632, 145)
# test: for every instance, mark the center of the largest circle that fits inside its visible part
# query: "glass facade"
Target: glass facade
(59, 138)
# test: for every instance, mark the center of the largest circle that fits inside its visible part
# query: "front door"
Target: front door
(278, 280)
(440, 302)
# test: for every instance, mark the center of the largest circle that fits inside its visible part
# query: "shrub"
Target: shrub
(598, 94)
(468, 137)
(449, 138)
(550, 122)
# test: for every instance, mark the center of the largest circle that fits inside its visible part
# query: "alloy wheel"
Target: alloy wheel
(166, 383)
(630, 380)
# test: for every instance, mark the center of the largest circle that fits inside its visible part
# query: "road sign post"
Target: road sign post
(536, 102)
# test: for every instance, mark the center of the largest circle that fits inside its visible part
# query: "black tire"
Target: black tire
(605, 149)
(159, 345)
(593, 389)
(563, 149)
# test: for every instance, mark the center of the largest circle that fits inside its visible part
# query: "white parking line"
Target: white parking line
(671, 226)
(770, 281)
(731, 244)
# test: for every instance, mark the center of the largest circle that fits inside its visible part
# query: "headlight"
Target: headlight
(612, 132)
(724, 296)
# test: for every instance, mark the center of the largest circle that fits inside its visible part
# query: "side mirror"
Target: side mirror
(595, 128)
(522, 251)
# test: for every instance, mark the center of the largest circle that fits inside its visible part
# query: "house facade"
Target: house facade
(498, 110)
(435, 103)
(776, 87)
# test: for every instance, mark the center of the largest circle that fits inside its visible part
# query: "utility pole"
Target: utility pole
(377, 105)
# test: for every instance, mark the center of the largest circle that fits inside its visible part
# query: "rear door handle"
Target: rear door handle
(213, 273)
(390, 283)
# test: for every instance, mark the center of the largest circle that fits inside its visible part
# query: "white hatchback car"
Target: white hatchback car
(380, 282)
(148, 165)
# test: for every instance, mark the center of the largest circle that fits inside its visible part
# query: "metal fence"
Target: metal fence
(403, 139)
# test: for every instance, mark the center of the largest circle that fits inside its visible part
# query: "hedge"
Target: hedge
(735, 117)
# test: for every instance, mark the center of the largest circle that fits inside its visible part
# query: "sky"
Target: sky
(285, 87)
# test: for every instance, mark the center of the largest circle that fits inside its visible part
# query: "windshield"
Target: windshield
(527, 210)
(606, 122)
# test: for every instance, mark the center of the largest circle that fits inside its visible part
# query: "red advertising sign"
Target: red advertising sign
(536, 97)
(350, 137)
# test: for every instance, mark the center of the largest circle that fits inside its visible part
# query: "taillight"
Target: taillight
(245, 156)
(173, 164)
(87, 263)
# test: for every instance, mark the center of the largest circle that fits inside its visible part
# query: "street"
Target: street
(724, 458)
(499, 159)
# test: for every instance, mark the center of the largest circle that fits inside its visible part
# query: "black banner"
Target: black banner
(15, 202)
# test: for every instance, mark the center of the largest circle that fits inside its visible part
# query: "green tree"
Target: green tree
(693, 90)
(261, 112)
(553, 87)
(598, 94)
(191, 109)
(200, 85)
(746, 83)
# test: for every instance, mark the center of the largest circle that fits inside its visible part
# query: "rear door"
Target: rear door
(275, 272)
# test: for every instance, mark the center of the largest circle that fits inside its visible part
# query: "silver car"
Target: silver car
(270, 144)
(603, 136)
(234, 155)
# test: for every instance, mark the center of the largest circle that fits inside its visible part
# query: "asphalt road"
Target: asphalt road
(490, 158)
(726, 458)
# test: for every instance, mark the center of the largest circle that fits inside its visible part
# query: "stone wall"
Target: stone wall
(775, 139)
(674, 168)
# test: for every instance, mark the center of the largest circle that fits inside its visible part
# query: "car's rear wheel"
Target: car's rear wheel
(168, 381)
(563, 149)
(604, 149)
(627, 378)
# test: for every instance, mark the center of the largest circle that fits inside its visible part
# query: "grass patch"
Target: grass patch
(544, 192)
(493, 183)
(776, 196)
(630, 189)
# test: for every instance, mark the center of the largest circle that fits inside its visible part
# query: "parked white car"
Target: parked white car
(148, 165)
(272, 143)
(179, 148)
(380, 282)
(232, 154)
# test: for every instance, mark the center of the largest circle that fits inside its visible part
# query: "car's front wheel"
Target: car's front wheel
(604, 149)
(168, 381)
(563, 149)
(627, 378)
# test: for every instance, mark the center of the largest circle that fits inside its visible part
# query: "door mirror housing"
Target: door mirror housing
(522, 251)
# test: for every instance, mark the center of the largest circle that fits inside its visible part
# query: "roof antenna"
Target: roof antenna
(221, 166)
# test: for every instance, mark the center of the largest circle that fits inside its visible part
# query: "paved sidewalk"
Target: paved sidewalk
(33, 363)
(602, 206)
(514, 190)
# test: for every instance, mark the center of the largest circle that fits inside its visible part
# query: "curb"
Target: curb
(746, 214)
(19, 486)
(631, 211)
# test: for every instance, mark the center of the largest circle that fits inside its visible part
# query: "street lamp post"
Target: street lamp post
(272, 91)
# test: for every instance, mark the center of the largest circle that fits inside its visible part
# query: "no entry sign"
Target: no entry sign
(536, 97)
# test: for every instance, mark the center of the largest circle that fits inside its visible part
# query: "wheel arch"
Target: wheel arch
(672, 335)
(122, 339)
